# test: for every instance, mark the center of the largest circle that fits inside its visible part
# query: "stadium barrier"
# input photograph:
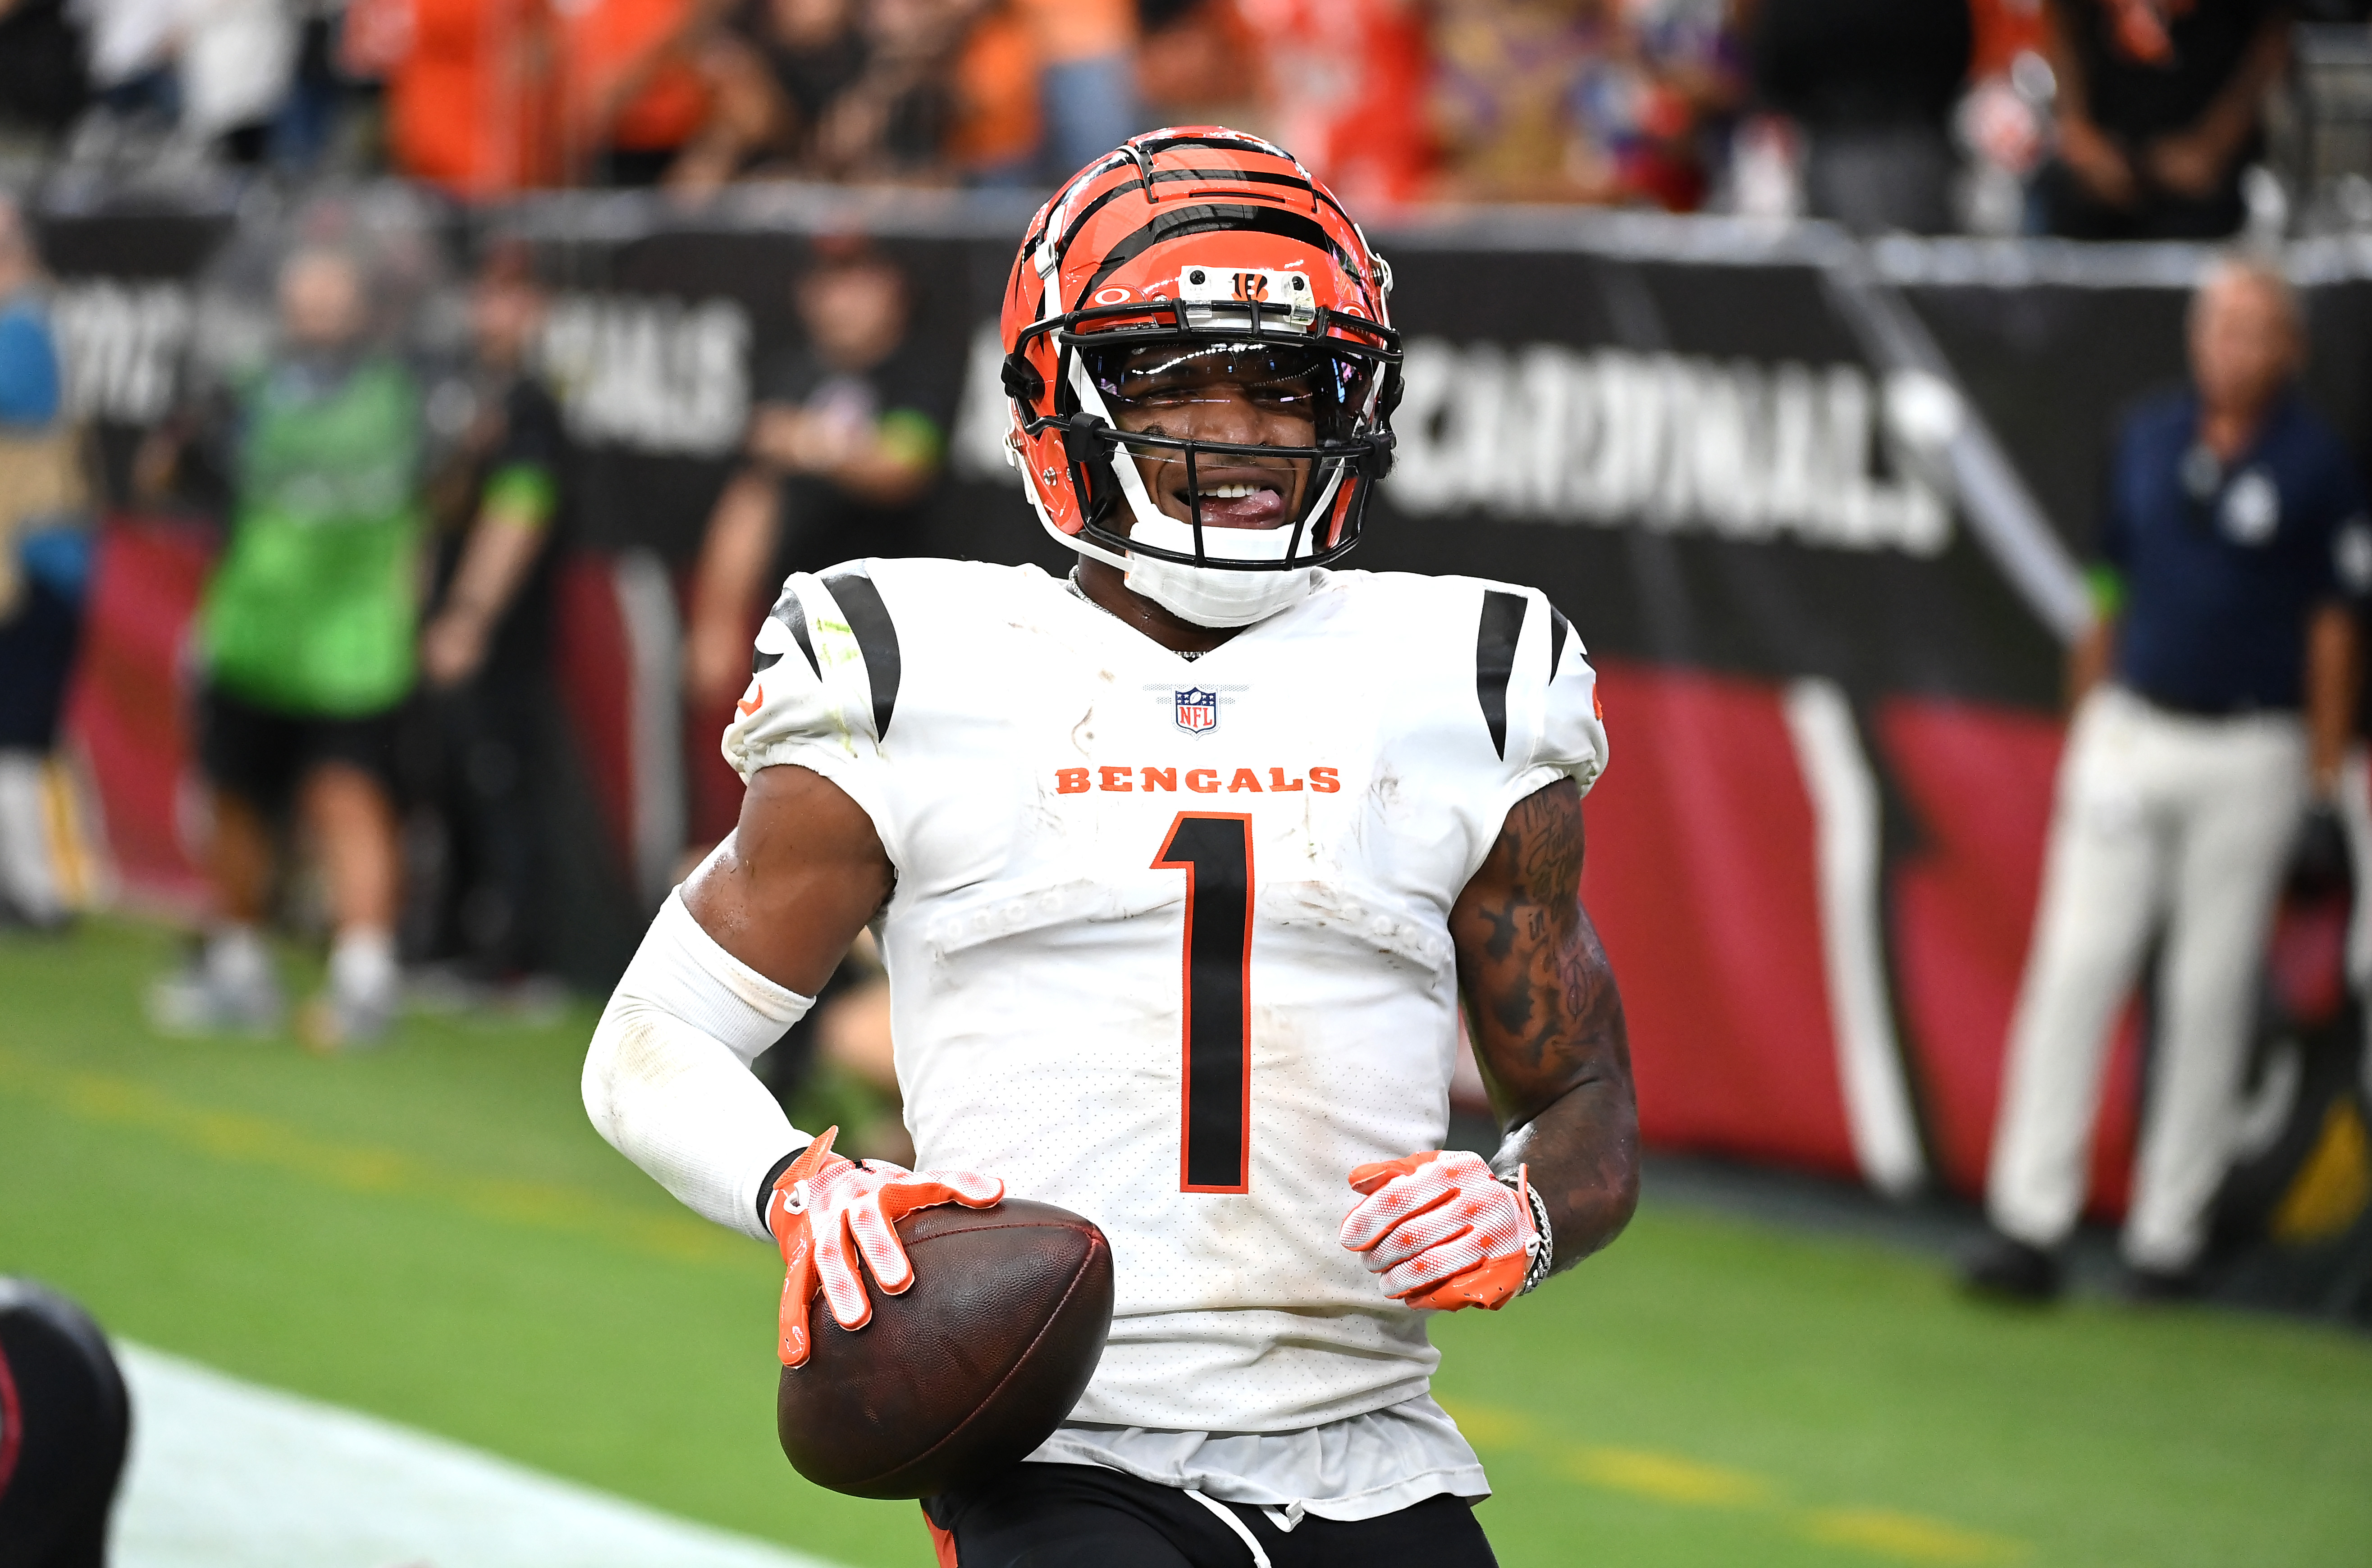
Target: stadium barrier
(1815, 506)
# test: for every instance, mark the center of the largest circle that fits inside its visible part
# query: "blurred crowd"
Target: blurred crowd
(2088, 118)
(380, 752)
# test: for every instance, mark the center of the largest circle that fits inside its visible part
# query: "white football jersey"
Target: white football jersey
(1170, 941)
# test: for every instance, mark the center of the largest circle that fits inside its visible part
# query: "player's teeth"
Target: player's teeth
(1233, 492)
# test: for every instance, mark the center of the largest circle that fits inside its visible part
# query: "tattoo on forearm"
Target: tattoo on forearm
(1547, 1022)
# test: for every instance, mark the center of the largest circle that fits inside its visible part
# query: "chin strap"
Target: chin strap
(1080, 592)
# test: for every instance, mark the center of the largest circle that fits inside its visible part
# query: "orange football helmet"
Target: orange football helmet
(1221, 246)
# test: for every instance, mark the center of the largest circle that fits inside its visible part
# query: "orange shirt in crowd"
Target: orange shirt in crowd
(468, 89)
(1350, 79)
(2004, 29)
(612, 49)
(995, 123)
(1066, 31)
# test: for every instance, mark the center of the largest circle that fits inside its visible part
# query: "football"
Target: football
(969, 1370)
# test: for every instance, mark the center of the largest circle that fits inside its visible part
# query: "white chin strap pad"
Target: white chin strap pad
(1206, 595)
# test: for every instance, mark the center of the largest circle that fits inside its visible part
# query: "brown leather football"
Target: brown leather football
(969, 1370)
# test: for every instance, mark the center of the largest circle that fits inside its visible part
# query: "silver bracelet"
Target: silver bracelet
(1541, 1255)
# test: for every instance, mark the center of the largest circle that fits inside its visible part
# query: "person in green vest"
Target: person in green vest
(305, 645)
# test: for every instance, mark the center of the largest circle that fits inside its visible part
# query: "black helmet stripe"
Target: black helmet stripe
(1219, 144)
(1240, 176)
(1212, 218)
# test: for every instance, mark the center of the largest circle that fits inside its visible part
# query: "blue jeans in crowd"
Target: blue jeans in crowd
(1090, 107)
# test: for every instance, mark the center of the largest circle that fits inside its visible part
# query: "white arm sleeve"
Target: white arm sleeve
(668, 1079)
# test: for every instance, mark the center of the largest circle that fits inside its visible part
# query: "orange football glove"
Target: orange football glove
(1445, 1232)
(823, 1204)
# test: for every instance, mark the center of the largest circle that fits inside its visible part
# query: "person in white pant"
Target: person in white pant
(2214, 696)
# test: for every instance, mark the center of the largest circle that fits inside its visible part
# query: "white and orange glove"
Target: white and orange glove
(826, 1212)
(1445, 1232)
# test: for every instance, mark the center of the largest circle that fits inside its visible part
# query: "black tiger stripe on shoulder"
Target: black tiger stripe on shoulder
(1495, 635)
(794, 617)
(876, 640)
(1559, 627)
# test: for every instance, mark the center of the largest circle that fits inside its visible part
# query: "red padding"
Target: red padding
(592, 662)
(1978, 781)
(1701, 880)
(128, 710)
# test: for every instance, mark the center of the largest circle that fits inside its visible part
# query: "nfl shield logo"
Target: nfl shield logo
(1198, 711)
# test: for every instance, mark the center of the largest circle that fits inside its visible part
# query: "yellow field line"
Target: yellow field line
(242, 1138)
(1670, 1478)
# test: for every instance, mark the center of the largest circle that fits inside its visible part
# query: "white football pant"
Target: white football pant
(30, 882)
(2158, 816)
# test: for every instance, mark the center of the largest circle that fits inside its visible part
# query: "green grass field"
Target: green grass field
(433, 1233)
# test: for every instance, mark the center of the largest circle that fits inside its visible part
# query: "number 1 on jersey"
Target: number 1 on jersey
(1215, 850)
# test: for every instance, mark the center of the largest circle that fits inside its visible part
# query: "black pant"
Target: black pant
(1084, 1517)
(37, 654)
(488, 748)
(263, 756)
(2071, 212)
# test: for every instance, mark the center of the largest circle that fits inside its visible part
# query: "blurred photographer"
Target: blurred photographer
(485, 646)
(846, 438)
(2158, 112)
(2213, 699)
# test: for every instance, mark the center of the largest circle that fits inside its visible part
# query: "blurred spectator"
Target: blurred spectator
(1586, 100)
(1086, 51)
(44, 565)
(43, 83)
(471, 89)
(1345, 80)
(846, 440)
(995, 122)
(497, 507)
(238, 60)
(827, 90)
(1201, 63)
(305, 642)
(1508, 71)
(2157, 114)
(1871, 84)
(2003, 122)
(132, 46)
(471, 93)
(2002, 31)
(632, 97)
(2233, 541)
(312, 113)
(242, 79)
(1662, 95)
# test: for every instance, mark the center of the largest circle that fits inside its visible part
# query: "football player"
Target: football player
(1180, 865)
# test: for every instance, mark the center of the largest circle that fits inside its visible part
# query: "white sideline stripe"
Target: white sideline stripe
(1845, 823)
(228, 1474)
